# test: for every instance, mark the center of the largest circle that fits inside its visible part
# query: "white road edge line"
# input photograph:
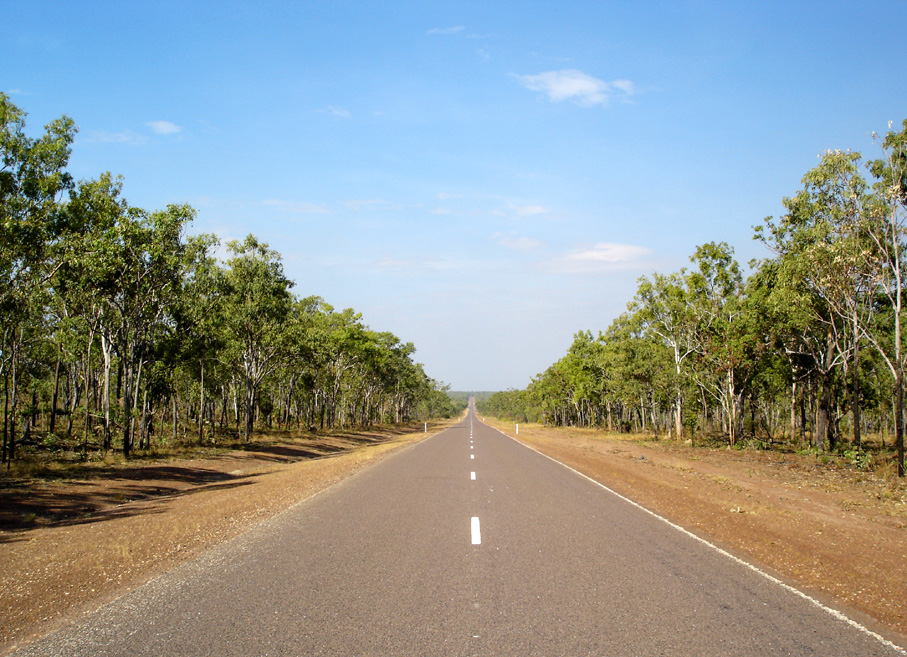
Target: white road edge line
(833, 612)
(476, 532)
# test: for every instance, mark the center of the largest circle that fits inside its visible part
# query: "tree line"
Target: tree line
(807, 349)
(118, 329)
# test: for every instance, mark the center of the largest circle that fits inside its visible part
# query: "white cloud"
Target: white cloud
(419, 267)
(124, 137)
(446, 30)
(527, 210)
(164, 127)
(296, 207)
(518, 243)
(576, 86)
(365, 204)
(625, 86)
(604, 256)
(339, 111)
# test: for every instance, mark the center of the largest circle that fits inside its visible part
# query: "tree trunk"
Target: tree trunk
(175, 416)
(899, 428)
(248, 409)
(201, 404)
(105, 349)
(56, 391)
(793, 409)
(11, 439)
(855, 402)
(678, 416)
(127, 375)
(6, 458)
(823, 408)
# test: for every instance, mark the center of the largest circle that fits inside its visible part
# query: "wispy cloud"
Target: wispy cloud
(604, 256)
(456, 29)
(577, 87)
(517, 242)
(296, 207)
(365, 204)
(527, 210)
(123, 137)
(164, 127)
(339, 112)
(425, 266)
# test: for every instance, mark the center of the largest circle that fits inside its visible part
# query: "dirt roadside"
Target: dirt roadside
(839, 535)
(68, 547)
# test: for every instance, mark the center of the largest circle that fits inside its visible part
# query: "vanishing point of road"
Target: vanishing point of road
(466, 543)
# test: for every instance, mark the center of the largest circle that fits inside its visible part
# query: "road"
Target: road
(467, 543)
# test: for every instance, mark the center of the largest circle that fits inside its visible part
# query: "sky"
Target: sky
(483, 179)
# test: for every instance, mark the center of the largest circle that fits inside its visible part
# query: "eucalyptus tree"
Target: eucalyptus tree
(716, 300)
(257, 304)
(300, 358)
(87, 281)
(820, 246)
(198, 313)
(640, 368)
(662, 305)
(33, 178)
(143, 264)
(888, 232)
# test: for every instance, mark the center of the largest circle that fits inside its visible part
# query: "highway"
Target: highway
(467, 543)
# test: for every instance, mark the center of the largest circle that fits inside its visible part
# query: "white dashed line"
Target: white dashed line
(472, 456)
(472, 475)
(476, 533)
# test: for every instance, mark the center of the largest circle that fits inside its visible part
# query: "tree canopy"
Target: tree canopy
(114, 318)
(808, 347)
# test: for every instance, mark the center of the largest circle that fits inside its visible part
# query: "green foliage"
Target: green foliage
(114, 320)
(810, 344)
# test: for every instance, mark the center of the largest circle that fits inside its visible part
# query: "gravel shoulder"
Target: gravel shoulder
(835, 533)
(69, 546)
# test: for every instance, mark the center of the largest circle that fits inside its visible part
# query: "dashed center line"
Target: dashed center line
(472, 475)
(476, 532)
(472, 456)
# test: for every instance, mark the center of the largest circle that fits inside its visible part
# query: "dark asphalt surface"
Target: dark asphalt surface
(383, 564)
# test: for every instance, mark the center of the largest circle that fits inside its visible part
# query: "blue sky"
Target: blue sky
(483, 179)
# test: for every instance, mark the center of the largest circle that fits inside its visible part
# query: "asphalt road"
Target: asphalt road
(393, 562)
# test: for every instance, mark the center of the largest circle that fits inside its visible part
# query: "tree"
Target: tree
(716, 301)
(258, 302)
(663, 307)
(32, 179)
(888, 232)
(822, 247)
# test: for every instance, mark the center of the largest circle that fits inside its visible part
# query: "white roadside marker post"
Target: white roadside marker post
(518, 429)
